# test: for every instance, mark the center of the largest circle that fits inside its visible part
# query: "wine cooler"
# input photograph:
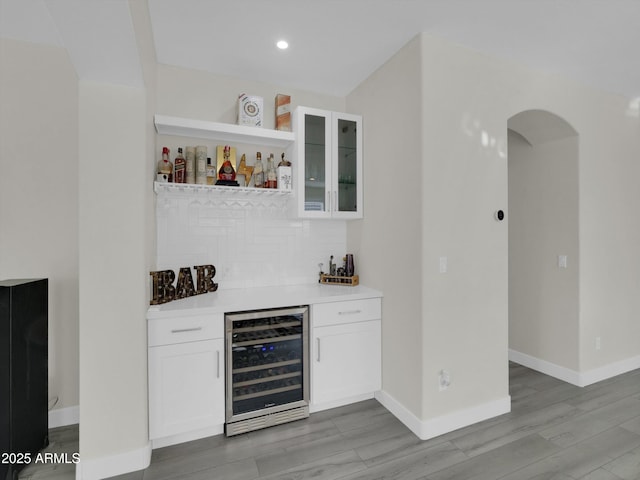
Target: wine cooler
(267, 372)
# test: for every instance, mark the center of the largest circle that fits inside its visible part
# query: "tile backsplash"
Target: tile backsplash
(251, 243)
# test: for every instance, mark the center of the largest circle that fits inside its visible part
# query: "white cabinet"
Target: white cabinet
(328, 161)
(345, 352)
(186, 378)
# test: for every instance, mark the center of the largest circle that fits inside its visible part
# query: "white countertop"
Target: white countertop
(240, 299)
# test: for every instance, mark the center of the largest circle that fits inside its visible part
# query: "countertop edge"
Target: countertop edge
(258, 298)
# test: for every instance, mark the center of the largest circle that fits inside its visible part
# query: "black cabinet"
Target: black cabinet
(23, 370)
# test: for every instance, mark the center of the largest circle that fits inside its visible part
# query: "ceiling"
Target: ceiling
(335, 44)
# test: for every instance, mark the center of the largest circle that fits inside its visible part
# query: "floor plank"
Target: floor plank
(555, 431)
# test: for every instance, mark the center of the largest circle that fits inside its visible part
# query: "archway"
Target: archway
(543, 242)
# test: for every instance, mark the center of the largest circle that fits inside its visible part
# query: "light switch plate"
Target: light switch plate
(443, 264)
(562, 261)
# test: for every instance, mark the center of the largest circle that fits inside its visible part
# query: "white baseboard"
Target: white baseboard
(61, 417)
(548, 368)
(613, 369)
(434, 427)
(318, 407)
(187, 437)
(580, 379)
(112, 465)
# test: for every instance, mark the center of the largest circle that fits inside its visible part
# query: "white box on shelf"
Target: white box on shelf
(284, 178)
(250, 110)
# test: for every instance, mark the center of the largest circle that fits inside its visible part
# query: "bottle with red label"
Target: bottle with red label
(227, 172)
(179, 166)
(165, 167)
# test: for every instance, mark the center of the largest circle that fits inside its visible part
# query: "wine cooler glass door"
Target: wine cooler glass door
(267, 370)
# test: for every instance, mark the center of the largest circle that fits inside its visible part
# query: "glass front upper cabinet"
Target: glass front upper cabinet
(329, 153)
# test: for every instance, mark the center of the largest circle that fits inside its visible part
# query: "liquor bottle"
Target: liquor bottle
(210, 172)
(284, 174)
(179, 166)
(283, 162)
(165, 167)
(258, 172)
(272, 178)
(227, 172)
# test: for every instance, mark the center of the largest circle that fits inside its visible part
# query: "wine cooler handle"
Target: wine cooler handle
(350, 312)
(318, 358)
(184, 330)
(335, 200)
(328, 208)
(218, 363)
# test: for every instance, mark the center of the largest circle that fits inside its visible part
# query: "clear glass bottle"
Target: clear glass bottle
(272, 177)
(210, 172)
(165, 166)
(258, 172)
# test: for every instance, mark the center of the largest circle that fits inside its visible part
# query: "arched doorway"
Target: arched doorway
(543, 242)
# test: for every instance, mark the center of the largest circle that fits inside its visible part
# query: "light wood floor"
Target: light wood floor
(555, 432)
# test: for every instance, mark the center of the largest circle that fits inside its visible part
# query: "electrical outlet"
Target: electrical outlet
(598, 343)
(444, 380)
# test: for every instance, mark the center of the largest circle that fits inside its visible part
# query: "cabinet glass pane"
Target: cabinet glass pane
(267, 362)
(347, 166)
(314, 157)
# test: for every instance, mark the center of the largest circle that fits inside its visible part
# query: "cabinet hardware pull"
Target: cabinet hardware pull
(350, 312)
(218, 363)
(184, 330)
(318, 349)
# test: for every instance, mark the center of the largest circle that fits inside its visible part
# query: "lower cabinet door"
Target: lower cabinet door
(186, 387)
(345, 361)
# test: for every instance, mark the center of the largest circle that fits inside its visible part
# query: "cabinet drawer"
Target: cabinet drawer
(168, 331)
(335, 313)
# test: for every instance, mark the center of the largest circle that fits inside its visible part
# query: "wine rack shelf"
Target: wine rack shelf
(222, 196)
(220, 190)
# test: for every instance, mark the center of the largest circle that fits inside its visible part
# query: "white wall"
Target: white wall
(609, 229)
(113, 279)
(469, 99)
(464, 183)
(117, 252)
(387, 242)
(38, 194)
(205, 96)
(543, 224)
(459, 153)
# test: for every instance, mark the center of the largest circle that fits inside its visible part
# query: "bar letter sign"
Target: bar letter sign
(163, 290)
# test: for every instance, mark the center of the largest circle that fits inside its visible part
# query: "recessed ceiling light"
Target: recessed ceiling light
(282, 44)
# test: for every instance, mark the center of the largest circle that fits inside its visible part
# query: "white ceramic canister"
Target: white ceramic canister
(190, 163)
